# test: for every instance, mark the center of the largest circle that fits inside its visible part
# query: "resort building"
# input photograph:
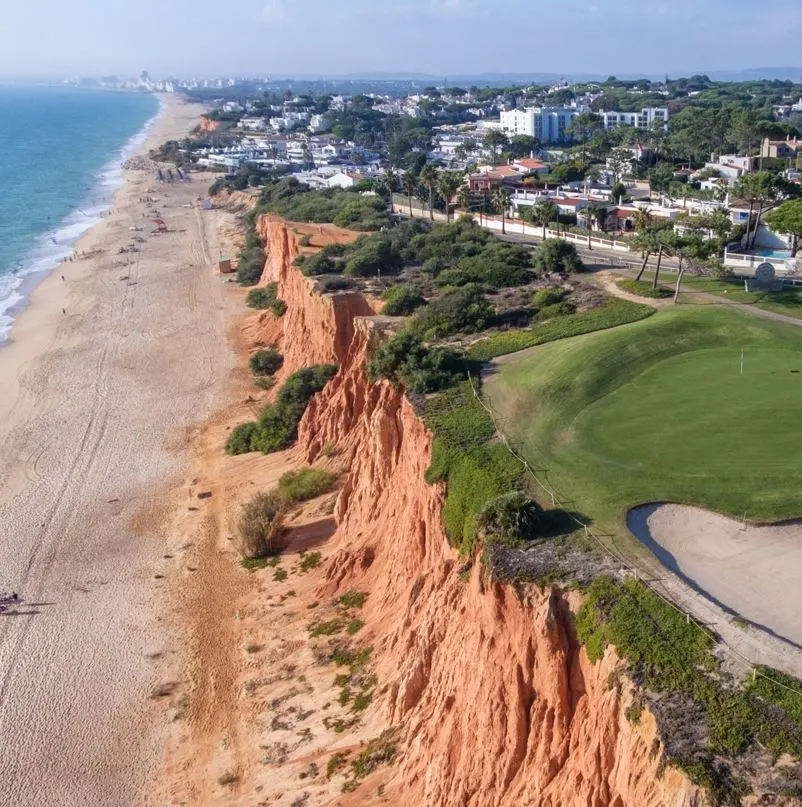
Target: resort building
(644, 119)
(547, 124)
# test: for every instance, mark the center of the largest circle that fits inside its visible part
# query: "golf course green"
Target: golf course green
(663, 410)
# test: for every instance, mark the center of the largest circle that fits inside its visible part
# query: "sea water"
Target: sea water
(61, 155)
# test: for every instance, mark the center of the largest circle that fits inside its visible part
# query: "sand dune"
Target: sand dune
(95, 408)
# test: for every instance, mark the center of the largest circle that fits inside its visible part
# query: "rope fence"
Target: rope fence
(611, 551)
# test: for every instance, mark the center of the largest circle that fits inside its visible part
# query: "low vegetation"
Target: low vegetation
(266, 297)
(464, 310)
(610, 315)
(643, 289)
(266, 362)
(277, 426)
(475, 470)
(345, 208)
(402, 300)
(404, 358)
(305, 484)
(251, 258)
(260, 527)
(556, 255)
(669, 658)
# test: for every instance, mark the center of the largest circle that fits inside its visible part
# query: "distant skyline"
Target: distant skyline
(436, 37)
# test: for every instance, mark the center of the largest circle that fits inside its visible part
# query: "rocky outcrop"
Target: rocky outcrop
(494, 700)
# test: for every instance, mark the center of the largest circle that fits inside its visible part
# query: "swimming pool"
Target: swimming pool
(777, 254)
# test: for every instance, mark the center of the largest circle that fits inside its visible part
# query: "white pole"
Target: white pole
(742, 362)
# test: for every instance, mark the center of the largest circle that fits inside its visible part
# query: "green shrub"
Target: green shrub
(277, 426)
(266, 362)
(464, 310)
(372, 256)
(548, 296)
(239, 441)
(345, 208)
(421, 369)
(613, 313)
(433, 266)
(319, 264)
(250, 265)
(262, 297)
(353, 599)
(260, 527)
(305, 484)
(562, 309)
(475, 472)
(511, 517)
(402, 300)
(557, 255)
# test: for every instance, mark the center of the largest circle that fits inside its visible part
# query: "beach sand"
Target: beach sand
(108, 372)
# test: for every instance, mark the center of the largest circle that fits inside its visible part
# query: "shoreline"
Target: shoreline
(109, 371)
(110, 174)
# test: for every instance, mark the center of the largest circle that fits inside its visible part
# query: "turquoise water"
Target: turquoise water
(779, 254)
(60, 156)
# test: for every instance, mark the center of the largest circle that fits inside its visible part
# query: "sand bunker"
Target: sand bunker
(752, 572)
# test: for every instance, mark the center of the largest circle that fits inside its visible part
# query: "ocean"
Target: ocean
(61, 151)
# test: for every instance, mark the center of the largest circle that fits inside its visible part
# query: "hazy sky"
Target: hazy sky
(283, 37)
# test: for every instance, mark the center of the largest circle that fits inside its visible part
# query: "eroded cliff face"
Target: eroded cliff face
(316, 328)
(493, 700)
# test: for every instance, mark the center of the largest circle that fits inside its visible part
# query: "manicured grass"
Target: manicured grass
(660, 411)
(643, 289)
(788, 301)
(613, 313)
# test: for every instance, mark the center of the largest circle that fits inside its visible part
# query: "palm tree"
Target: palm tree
(543, 213)
(390, 183)
(501, 201)
(409, 182)
(447, 185)
(464, 197)
(429, 178)
(642, 220)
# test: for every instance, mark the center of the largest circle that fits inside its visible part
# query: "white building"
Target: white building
(253, 124)
(640, 120)
(547, 124)
(318, 124)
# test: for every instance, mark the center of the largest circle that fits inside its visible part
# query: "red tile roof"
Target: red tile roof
(530, 163)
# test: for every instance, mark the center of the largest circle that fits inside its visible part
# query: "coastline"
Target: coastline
(107, 182)
(107, 371)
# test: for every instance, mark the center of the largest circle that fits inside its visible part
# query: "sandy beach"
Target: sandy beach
(108, 372)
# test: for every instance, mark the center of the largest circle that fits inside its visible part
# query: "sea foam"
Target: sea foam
(51, 248)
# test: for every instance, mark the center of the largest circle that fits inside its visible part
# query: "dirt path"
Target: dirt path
(607, 280)
(94, 431)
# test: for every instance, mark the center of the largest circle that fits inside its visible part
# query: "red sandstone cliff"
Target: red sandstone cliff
(495, 702)
(207, 125)
(316, 328)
